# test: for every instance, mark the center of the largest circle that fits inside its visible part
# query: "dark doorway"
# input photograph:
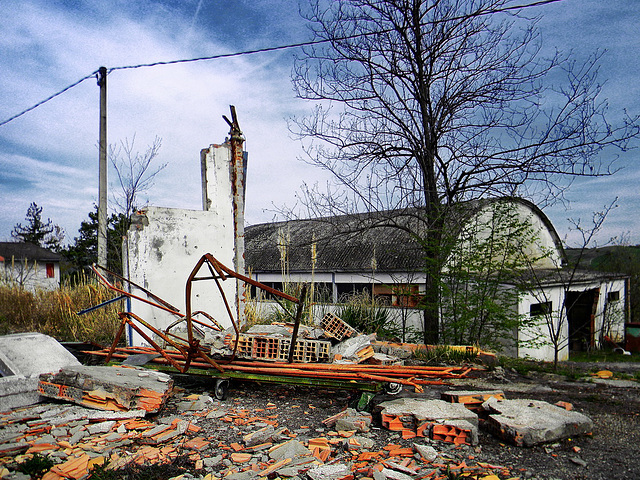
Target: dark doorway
(581, 309)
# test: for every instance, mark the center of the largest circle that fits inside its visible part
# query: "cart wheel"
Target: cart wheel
(221, 389)
(393, 388)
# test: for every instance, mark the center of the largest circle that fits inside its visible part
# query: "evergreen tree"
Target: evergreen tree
(84, 251)
(38, 232)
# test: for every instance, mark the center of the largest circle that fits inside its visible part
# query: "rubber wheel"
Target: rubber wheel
(221, 389)
(393, 388)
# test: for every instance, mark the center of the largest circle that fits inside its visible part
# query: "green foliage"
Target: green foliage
(368, 315)
(480, 291)
(526, 367)
(42, 234)
(143, 472)
(84, 251)
(604, 356)
(444, 354)
(36, 465)
(54, 312)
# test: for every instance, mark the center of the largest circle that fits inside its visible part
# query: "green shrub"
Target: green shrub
(368, 315)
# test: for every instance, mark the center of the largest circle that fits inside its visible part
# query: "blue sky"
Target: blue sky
(50, 156)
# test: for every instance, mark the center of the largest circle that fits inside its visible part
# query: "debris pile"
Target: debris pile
(108, 388)
(223, 440)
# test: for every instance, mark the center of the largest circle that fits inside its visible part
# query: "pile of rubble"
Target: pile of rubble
(228, 439)
(126, 417)
(333, 341)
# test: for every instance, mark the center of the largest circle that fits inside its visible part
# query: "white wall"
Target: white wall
(164, 246)
(609, 318)
(31, 275)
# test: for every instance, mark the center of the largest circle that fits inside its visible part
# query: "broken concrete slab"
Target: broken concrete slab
(20, 368)
(427, 409)
(532, 422)
(32, 354)
(429, 418)
(354, 349)
(289, 449)
(108, 388)
(329, 472)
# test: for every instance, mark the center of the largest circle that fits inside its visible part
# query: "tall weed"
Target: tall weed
(54, 312)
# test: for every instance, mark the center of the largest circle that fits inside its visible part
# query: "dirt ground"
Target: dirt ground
(611, 452)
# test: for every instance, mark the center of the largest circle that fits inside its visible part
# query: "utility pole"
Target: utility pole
(102, 170)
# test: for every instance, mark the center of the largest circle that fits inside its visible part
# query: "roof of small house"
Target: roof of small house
(383, 241)
(26, 250)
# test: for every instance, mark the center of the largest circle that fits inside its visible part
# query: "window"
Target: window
(613, 296)
(51, 271)
(540, 308)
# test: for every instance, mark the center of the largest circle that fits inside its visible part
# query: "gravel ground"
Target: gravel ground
(612, 451)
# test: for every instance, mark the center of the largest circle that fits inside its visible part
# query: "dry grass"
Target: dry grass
(54, 312)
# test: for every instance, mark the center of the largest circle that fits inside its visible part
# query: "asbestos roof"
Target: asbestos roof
(360, 242)
(347, 243)
(29, 251)
(566, 277)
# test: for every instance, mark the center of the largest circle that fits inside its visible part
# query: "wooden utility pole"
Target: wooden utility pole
(102, 170)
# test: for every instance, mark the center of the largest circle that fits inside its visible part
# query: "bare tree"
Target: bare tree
(424, 104)
(134, 171)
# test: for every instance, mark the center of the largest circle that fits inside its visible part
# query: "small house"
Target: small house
(29, 266)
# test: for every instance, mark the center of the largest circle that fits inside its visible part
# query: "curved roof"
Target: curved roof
(385, 241)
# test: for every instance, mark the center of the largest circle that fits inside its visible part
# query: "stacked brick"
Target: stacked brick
(262, 347)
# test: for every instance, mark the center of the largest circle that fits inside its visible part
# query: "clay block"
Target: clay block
(108, 388)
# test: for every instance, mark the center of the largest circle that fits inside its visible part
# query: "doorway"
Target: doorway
(581, 313)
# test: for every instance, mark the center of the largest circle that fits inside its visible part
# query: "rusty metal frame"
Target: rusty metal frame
(190, 348)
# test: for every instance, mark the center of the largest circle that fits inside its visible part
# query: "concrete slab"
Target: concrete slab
(32, 354)
(23, 357)
(109, 388)
(532, 422)
(430, 410)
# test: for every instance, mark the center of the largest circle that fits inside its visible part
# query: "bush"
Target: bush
(368, 315)
(54, 312)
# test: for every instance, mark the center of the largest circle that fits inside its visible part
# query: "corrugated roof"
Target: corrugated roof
(22, 250)
(350, 243)
(344, 243)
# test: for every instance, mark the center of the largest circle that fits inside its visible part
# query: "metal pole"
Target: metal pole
(102, 170)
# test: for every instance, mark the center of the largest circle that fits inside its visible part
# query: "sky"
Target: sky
(49, 155)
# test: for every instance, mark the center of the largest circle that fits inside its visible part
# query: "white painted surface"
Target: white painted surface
(163, 253)
(31, 275)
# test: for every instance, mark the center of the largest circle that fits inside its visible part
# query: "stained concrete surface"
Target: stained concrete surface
(23, 357)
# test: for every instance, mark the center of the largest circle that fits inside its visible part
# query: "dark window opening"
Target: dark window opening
(613, 296)
(51, 272)
(543, 308)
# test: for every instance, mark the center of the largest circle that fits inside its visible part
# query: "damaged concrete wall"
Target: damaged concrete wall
(164, 244)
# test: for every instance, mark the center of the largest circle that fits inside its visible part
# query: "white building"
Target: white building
(562, 309)
(29, 266)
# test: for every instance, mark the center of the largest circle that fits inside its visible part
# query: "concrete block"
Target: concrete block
(23, 357)
(32, 354)
(532, 422)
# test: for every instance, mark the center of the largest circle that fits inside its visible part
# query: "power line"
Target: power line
(49, 98)
(273, 49)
